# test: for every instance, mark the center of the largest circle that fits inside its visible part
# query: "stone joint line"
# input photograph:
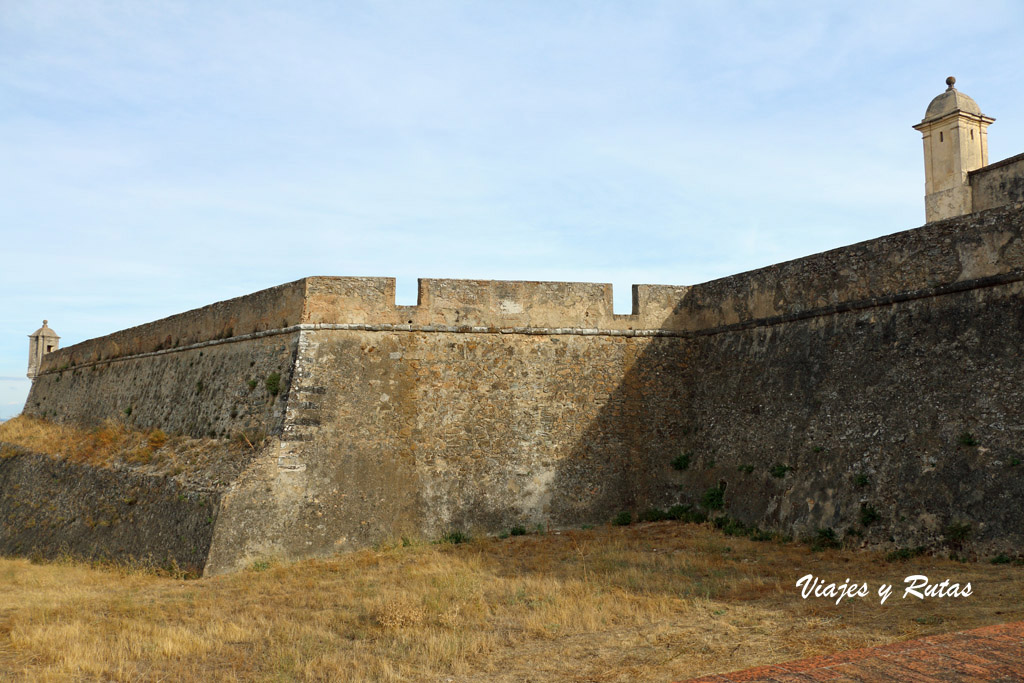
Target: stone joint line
(844, 307)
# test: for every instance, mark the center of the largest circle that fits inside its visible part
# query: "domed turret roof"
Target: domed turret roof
(44, 331)
(950, 101)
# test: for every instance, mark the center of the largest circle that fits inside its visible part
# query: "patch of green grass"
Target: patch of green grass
(860, 480)
(682, 461)
(517, 530)
(653, 515)
(1014, 462)
(779, 471)
(686, 513)
(714, 498)
(273, 383)
(967, 439)
(731, 527)
(957, 532)
(746, 469)
(929, 619)
(454, 537)
(868, 514)
(825, 538)
(624, 518)
(128, 411)
(1001, 558)
(904, 554)
(252, 384)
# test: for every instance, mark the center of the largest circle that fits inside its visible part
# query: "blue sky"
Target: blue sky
(160, 156)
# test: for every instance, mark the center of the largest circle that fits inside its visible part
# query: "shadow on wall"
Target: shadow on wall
(898, 425)
(623, 460)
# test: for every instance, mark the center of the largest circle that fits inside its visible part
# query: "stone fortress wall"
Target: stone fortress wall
(855, 373)
(998, 184)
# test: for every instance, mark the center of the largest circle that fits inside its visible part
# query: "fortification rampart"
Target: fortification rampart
(893, 424)
(211, 389)
(270, 309)
(497, 403)
(53, 507)
(998, 184)
(936, 258)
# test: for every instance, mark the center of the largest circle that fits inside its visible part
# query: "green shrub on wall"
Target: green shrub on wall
(682, 461)
(714, 498)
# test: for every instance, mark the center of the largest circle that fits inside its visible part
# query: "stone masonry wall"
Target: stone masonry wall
(498, 403)
(896, 424)
(406, 433)
(52, 507)
(939, 257)
(998, 184)
(214, 389)
(271, 309)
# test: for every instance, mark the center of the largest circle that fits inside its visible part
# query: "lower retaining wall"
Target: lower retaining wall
(52, 507)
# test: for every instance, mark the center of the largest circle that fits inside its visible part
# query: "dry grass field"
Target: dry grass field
(655, 601)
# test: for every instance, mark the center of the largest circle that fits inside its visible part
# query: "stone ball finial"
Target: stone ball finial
(951, 81)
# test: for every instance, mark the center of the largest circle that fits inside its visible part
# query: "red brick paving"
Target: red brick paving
(992, 653)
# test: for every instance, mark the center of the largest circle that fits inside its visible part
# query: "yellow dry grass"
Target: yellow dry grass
(99, 446)
(114, 442)
(657, 601)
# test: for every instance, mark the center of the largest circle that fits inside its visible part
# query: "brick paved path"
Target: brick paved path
(992, 653)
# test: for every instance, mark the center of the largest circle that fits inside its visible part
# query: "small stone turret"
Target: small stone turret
(41, 342)
(955, 143)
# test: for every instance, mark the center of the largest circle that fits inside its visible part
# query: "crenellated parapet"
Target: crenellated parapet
(948, 255)
(269, 309)
(967, 252)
